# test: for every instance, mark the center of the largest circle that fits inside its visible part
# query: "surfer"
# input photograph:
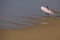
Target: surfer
(47, 10)
(47, 13)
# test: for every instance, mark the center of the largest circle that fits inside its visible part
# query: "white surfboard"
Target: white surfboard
(46, 10)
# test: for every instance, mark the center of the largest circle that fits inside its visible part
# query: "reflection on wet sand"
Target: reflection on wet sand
(19, 23)
(27, 22)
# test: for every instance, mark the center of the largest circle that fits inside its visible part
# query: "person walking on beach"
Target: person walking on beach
(47, 13)
(47, 10)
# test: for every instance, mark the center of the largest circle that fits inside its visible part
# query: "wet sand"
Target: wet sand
(47, 28)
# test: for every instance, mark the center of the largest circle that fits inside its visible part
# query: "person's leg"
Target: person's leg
(46, 14)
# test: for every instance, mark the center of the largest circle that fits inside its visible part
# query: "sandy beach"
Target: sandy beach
(46, 29)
